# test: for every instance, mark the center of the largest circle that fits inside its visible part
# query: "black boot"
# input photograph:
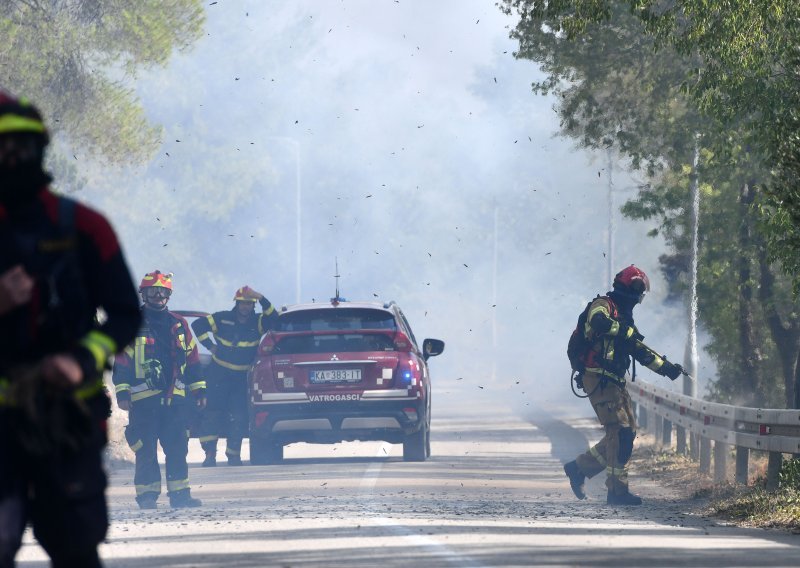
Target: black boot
(211, 459)
(147, 501)
(626, 498)
(234, 460)
(576, 479)
(183, 499)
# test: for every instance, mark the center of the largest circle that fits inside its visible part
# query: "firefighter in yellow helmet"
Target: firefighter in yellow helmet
(613, 340)
(236, 335)
(152, 378)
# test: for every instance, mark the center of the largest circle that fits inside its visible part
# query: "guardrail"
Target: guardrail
(771, 430)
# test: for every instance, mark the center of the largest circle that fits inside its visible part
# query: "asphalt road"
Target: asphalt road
(493, 494)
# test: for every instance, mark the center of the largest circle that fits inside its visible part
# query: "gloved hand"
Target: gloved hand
(629, 332)
(671, 370)
(579, 381)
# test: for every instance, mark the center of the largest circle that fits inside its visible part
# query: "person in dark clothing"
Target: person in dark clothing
(60, 262)
(151, 378)
(237, 333)
(615, 340)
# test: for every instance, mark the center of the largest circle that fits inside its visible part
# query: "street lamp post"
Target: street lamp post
(298, 212)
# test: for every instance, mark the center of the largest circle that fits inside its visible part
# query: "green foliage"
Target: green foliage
(74, 60)
(656, 85)
(789, 475)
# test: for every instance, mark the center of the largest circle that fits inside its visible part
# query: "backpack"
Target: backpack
(579, 345)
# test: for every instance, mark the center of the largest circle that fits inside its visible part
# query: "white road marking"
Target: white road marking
(429, 545)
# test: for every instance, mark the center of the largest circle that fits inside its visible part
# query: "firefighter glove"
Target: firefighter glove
(671, 370)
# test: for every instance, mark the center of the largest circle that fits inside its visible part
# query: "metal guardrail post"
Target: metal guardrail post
(643, 417)
(742, 460)
(694, 446)
(659, 429)
(705, 455)
(773, 469)
(680, 440)
(666, 435)
(720, 461)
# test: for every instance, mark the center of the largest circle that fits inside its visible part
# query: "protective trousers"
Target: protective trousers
(62, 494)
(149, 424)
(612, 404)
(226, 410)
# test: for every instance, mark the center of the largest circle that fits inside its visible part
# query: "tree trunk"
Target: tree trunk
(786, 335)
(749, 352)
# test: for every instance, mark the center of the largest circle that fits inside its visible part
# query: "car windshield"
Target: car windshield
(334, 343)
(336, 319)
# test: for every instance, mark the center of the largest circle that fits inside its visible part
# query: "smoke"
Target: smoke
(405, 129)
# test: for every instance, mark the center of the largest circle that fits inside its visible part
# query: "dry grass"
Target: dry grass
(750, 506)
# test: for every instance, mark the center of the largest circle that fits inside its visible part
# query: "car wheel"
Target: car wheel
(415, 446)
(265, 452)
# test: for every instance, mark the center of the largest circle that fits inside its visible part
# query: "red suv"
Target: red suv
(341, 371)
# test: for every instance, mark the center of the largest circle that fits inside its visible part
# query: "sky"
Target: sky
(401, 141)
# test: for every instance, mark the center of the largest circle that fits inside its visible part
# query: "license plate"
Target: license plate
(335, 376)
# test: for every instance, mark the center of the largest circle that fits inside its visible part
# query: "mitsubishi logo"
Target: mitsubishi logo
(334, 357)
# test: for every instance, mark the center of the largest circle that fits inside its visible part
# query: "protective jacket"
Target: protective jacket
(162, 363)
(615, 339)
(237, 342)
(74, 257)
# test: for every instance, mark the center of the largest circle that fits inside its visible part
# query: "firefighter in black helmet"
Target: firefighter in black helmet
(614, 340)
(59, 262)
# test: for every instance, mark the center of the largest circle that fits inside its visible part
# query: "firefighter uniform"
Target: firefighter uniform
(237, 338)
(614, 342)
(52, 437)
(152, 378)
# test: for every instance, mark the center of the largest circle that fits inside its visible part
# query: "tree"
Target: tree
(75, 59)
(624, 82)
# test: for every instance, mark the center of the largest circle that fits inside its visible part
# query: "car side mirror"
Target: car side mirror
(432, 348)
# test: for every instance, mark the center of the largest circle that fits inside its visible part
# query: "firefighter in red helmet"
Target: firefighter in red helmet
(237, 333)
(152, 378)
(614, 341)
(59, 263)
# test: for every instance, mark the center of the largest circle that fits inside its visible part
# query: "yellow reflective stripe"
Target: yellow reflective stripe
(269, 310)
(138, 357)
(203, 337)
(597, 455)
(656, 364)
(154, 487)
(177, 484)
(614, 329)
(101, 346)
(223, 341)
(203, 439)
(231, 366)
(618, 472)
(144, 394)
(16, 123)
(247, 344)
(213, 324)
(198, 385)
(608, 374)
(128, 351)
(232, 452)
(89, 390)
(137, 446)
(122, 387)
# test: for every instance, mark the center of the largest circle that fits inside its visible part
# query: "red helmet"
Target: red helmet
(156, 279)
(19, 116)
(632, 281)
(245, 294)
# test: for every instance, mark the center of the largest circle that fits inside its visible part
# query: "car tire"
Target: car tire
(416, 446)
(265, 452)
